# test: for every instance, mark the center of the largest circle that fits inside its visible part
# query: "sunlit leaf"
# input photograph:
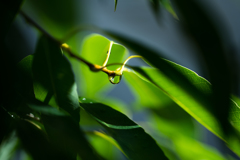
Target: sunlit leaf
(134, 141)
(146, 93)
(54, 77)
(185, 98)
(186, 147)
(174, 74)
(95, 49)
(105, 145)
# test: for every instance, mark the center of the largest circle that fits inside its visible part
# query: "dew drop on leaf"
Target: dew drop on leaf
(115, 79)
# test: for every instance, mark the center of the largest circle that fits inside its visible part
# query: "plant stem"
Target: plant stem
(67, 49)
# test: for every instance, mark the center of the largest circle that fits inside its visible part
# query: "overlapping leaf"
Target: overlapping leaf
(56, 21)
(64, 134)
(54, 77)
(35, 141)
(185, 98)
(200, 24)
(192, 149)
(134, 141)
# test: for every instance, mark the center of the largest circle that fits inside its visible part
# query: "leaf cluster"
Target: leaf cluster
(55, 103)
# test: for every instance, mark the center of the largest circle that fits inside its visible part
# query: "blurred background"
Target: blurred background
(135, 19)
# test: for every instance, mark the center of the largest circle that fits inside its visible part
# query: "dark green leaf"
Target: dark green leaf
(54, 77)
(205, 30)
(35, 141)
(24, 85)
(56, 21)
(17, 82)
(134, 141)
(47, 110)
(66, 135)
(8, 11)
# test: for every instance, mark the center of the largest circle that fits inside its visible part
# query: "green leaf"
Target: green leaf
(155, 4)
(168, 6)
(66, 135)
(172, 72)
(35, 141)
(147, 94)
(187, 99)
(134, 141)
(53, 76)
(105, 145)
(116, 1)
(47, 110)
(55, 21)
(7, 147)
(186, 147)
(182, 96)
(24, 85)
(94, 49)
(216, 49)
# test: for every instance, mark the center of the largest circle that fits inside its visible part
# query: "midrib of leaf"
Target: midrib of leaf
(117, 126)
(109, 139)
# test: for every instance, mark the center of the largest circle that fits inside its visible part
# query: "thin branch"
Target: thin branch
(67, 49)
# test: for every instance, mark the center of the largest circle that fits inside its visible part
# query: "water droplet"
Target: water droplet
(91, 102)
(31, 115)
(12, 115)
(115, 79)
(84, 99)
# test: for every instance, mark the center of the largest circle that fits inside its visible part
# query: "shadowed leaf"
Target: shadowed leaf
(54, 77)
(134, 141)
(203, 26)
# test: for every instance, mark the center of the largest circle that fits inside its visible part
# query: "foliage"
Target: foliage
(55, 106)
